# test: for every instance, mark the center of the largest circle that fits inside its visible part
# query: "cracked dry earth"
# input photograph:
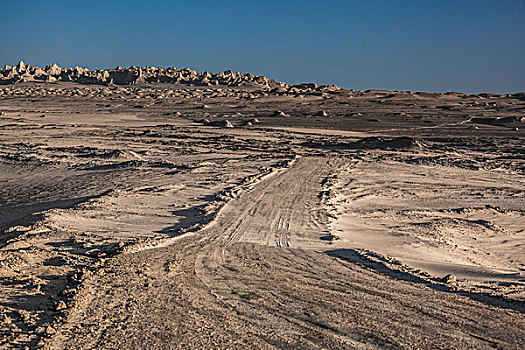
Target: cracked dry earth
(128, 228)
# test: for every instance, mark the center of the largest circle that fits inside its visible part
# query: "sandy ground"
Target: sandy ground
(130, 218)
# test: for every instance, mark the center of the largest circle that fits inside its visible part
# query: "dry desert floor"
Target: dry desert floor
(162, 216)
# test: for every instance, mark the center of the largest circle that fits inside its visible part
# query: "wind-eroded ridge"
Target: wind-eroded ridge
(135, 75)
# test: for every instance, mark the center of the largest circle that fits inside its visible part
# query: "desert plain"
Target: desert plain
(152, 208)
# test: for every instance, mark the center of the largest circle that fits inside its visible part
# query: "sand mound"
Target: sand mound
(221, 123)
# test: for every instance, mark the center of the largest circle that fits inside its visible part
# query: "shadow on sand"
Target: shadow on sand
(353, 256)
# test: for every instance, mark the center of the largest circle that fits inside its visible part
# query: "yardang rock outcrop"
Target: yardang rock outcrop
(135, 75)
(131, 75)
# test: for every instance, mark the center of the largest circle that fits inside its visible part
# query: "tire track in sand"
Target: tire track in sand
(231, 285)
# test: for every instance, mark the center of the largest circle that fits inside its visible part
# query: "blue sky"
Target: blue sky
(462, 45)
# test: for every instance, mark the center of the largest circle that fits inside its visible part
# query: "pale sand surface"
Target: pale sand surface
(439, 219)
(129, 221)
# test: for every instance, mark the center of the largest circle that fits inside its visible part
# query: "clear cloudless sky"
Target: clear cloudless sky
(419, 45)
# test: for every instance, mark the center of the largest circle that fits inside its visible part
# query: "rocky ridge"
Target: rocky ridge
(135, 75)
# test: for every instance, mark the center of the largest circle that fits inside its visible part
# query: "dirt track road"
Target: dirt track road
(259, 276)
